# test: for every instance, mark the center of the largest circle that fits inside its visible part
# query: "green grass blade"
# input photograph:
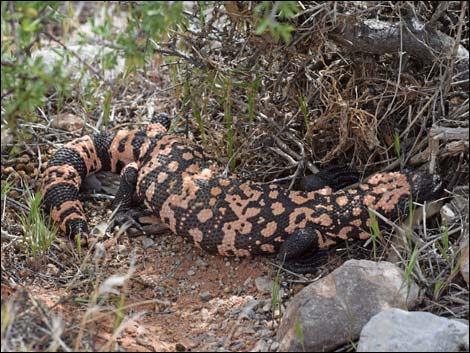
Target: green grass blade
(396, 144)
(300, 333)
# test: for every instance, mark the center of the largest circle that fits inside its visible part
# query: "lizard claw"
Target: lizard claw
(128, 220)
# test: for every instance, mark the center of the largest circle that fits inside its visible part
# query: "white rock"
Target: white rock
(396, 330)
(204, 314)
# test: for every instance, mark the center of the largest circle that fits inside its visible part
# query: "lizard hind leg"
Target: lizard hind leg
(300, 252)
(125, 197)
(131, 214)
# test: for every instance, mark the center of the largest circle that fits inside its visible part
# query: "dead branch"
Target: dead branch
(419, 41)
(447, 133)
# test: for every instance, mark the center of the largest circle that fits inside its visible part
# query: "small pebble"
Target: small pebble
(100, 250)
(204, 314)
(8, 170)
(276, 313)
(205, 296)
(180, 348)
(52, 269)
(147, 242)
(274, 346)
(264, 284)
(122, 249)
(201, 263)
(247, 282)
(23, 174)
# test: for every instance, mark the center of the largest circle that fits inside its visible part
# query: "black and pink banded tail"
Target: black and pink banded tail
(84, 156)
(64, 175)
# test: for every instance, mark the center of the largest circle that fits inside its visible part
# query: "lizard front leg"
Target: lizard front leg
(301, 252)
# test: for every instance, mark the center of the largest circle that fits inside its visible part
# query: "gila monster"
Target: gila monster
(225, 214)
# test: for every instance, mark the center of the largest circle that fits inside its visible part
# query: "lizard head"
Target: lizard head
(159, 124)
(425, 186)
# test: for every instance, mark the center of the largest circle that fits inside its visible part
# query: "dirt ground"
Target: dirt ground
(178, 297)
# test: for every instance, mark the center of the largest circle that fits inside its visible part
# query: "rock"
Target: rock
(452, 211)
(179, 347)
(248, 311)
(160, 290)
(99, 231)
(204, 314)
(264, 284)
(7, 137)
(122, 249)
(67, 122)
(267, 307)
(147, 242)
(277, 312)
(237, 346)
(274, 346)
(52, 269)
(191, 272)
(264, 333)
(261, 346)
(100, 251)
(333, 310)
(396, 330)
(205, 296)
(201, 263)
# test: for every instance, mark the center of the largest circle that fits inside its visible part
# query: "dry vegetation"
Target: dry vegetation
(375, 86)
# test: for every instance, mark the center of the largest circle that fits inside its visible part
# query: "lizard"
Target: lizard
(222, 213)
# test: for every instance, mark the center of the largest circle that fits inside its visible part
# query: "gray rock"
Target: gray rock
(122, 249)
(267, 307)
(201, 263)
(264, 284)
(264, 333)
(100, 251)
(248, 311)
(333, 310)
(205, 296)
(237, 346)
(261, 346)
(274, 346)
(396, 330)
(147, 242)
